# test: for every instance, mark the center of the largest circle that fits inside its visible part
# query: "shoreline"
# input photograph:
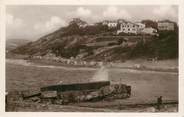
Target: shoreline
(58, 65)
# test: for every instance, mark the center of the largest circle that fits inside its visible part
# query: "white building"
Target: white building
(110, 24)
(149, 30)
(165, 25)
(128, 27)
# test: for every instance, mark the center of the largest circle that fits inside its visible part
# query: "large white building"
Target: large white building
(165, 25)
(136, 28)
(128, 27)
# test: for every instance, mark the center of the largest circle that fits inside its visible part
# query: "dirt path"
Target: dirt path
(26, 63)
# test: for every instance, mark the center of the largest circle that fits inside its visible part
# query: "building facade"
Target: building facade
(128, 27)
(110, 24)
(165, 25)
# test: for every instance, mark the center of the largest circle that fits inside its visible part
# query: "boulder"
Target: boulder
(107, 90)
(49, 94)
(58, 101)
(35, 99)
(92, 95)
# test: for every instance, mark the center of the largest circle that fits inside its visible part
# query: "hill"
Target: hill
(98, 42)
(14, 43)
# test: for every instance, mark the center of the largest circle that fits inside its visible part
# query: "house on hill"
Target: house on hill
(79, 22)
(110, 24)
(121, 21)
(136, 28)
(128, 27)
(165, 25)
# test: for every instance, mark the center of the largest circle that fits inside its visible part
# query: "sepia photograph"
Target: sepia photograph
(92, 58)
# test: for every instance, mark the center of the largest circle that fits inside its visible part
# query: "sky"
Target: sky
(32, 22)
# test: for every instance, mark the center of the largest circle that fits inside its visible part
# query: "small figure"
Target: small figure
(129, 91)
(159, 102)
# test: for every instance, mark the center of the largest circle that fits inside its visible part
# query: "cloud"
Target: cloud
(165, 12)
(115, 13)
(13, 22)
(109, 13)
(52, 24)
(13, 25)
(83, 12)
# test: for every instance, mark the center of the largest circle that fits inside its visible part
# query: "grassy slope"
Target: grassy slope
(67, 42)
(165, 47)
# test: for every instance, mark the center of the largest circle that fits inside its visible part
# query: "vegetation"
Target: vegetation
(74, 29)
(165, 47)
(150, 23)
(71, 41)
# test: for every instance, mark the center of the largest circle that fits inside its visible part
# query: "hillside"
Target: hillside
(165, 47)
(14, 43)
(98, 42)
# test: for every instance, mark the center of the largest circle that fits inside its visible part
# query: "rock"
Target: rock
(49, 94)
(104, 91)
(31, 93)
(35, 99)
(58, 101)
(69, 96)
(81, 98)
(150, 109)
(92, 95)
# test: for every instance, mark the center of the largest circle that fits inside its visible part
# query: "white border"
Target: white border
(90, 2)
(181, 56)
(4, 3)
(2, 56)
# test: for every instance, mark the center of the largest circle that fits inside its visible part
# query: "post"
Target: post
(159, 102)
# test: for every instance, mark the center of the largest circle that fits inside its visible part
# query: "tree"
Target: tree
(150, 23)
